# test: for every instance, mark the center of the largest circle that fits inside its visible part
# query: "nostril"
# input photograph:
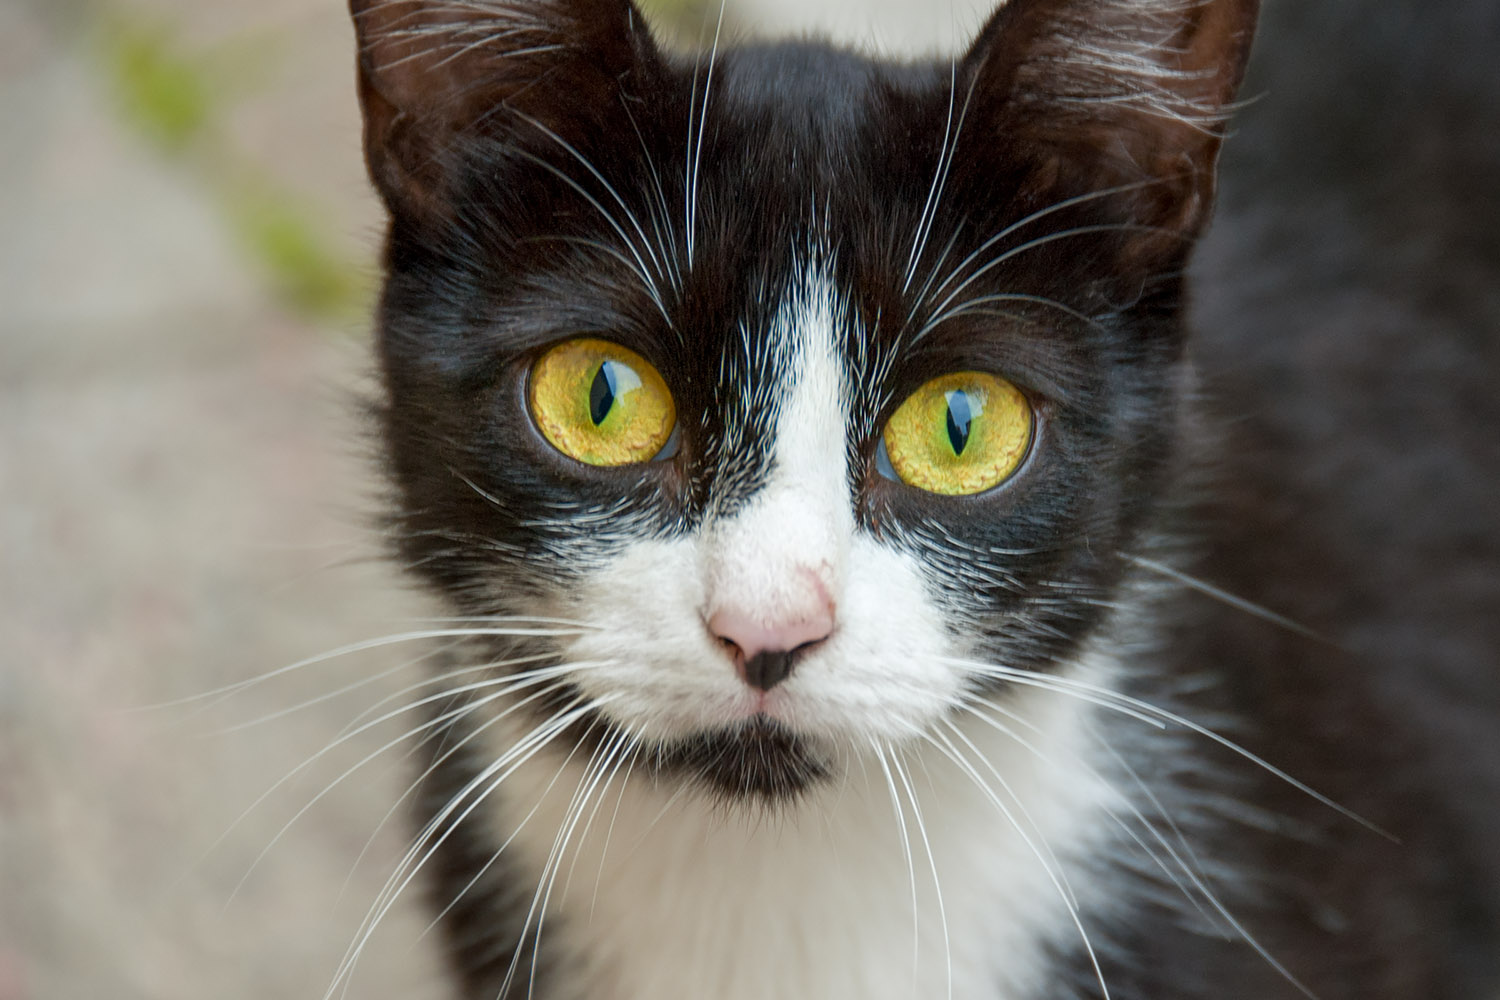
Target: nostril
(731, 647)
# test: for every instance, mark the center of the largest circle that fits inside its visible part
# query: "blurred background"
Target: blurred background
(187, 248)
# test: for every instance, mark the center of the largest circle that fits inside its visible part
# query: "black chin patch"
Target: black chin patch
(759, 758)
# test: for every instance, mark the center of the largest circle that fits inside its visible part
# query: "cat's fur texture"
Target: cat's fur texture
(1040, 755)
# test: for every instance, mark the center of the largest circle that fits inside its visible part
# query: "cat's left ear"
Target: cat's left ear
(436, 75)
(1101, 94)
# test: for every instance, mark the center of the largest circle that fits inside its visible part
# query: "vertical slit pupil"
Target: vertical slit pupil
(602, 393)
(960, 416)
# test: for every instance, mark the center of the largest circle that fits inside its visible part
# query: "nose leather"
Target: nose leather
(765, 652)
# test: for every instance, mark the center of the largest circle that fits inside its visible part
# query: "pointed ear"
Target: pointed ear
(436, 74)
(1098, 94)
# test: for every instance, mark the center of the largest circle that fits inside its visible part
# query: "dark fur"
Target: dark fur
(1346, 318)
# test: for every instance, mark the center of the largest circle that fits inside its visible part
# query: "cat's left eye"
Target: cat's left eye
(601, 403)
(960, 434)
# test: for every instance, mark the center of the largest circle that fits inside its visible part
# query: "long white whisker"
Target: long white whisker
(632, 754)
(612, 762)
(1052, 870)
(1093, 773)
(613, 192)
(506, 685)
(906, 852)
(916, 811)
(639, 266)
(360, 647)
(443, 677)
(544, 884)
(1032, 244)
(499, 852)
(1145, 711)
(1198, 883)
(939, 176)
(1225, 597)
(661, 215)
(493, 775)
(346, 689)
(1094, 695)
(971, 306)
(697, 146)
(1046, 848)
(1060, 206)
(448, 752)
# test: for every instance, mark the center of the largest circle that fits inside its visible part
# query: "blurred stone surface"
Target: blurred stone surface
(180, 480)
(896, 27)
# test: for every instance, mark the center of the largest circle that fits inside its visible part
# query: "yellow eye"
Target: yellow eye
(959, 434)
(601, 403)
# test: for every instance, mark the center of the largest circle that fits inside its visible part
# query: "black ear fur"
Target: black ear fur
(434, 75)
(1101, 94)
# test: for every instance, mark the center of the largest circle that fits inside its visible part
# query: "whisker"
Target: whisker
(906, 852)
(1040, 214)
(361, 647)
(1066, 887)
(346, 689)
(696, 148)
(610, 188)
(1154, 715)
(632, 754)
(1016, 251)
(1224, 597)
(443, 677)
(507, 685)
(1093, 773)
(613, 761)
(498, 852)
(544, 884)
(916, 811)
(1053, 871)
(1202, 887)
(410, 865)
(639, 267)
(940, 176)
(971, 306)
(445, 755)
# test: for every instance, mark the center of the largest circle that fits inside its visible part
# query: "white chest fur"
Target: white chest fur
(666, 898)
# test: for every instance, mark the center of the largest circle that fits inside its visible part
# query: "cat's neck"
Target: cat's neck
(976, 835)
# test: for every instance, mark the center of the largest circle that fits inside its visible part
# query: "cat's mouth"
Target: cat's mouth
(758, 758)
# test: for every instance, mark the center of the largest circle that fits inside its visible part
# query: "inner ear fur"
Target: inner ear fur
(1100, 94)
(437, 75)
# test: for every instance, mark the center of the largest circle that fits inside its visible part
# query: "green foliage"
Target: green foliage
(670, 8)
(166, 95)
(304, 269)
(177, 100)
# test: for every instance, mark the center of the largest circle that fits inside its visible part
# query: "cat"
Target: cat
(863, 583)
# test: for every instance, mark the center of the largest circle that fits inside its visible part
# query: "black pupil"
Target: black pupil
(602, 393)
(960, 415)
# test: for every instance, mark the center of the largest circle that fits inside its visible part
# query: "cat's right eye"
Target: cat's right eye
(601, 403)
(960, 434)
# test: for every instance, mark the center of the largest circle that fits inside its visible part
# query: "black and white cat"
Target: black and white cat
(813, 452)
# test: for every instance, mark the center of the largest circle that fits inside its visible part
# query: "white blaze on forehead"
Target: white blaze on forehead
(787, 548)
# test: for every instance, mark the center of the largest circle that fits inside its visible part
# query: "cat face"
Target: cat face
(806, 391)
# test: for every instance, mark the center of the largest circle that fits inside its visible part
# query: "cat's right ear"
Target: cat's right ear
(435, 76)
(1130, 95)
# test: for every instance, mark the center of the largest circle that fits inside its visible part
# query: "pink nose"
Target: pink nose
(764, 651)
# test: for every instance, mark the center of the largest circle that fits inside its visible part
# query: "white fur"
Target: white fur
(666, 895)
(675, 900)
